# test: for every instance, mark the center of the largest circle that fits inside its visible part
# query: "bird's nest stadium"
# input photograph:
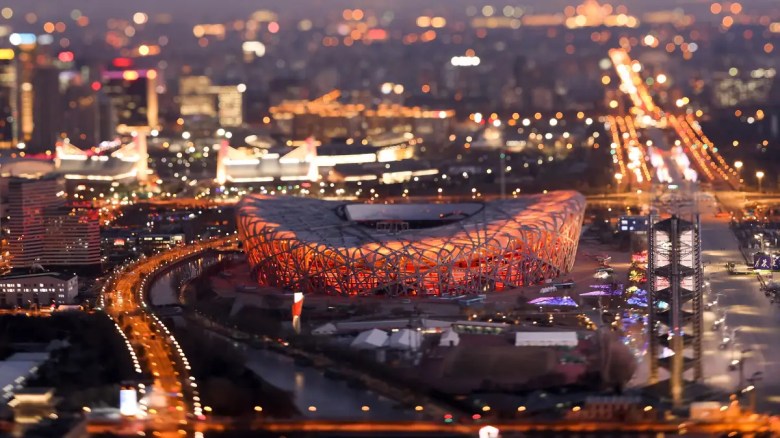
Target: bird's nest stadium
(338, 247)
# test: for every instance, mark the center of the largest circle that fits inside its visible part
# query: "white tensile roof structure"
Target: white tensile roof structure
(337, 247)
(546, 339)
(346, 327)
(449, 338)
(405, 339)
(325, 329)
(370, 339)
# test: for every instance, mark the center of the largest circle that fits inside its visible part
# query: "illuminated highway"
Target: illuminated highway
(690, 145)
(173, 397)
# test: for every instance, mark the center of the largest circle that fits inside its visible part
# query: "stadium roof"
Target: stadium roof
(319, 222)
(432, 248)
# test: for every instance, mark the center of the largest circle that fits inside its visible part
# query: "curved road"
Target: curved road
(169, 409)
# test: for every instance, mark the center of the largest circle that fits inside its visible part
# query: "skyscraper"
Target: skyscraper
(47, 109)
(27, 201)
(44, 230)
(8, 108)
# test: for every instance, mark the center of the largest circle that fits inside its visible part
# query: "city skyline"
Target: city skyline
(202, 10)
(389, 218)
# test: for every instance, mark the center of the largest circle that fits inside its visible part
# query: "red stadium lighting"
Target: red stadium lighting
(459, 248)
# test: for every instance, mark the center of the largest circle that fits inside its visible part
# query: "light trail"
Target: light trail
(632, 84)
(634, 136)
(174, 393)
(617, 146)
(690, 136)
(726, 171)
(691, 147)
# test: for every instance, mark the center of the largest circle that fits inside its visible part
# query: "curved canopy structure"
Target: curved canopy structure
(336, 247)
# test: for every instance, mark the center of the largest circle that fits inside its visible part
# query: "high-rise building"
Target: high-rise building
(28, 200)
(230, 103)
(195, 99)
(133, 95)
(200, 99)
(8, 107)
(44, 230)
(38, 96)
(72, 237)
(133, 98)
(81, 113)
(47, 109)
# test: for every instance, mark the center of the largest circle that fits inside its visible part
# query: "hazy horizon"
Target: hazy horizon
(200, 10)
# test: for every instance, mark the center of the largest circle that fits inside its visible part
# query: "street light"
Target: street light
(502, 164)
(742, 366)
(619, 178)
(760, 176)
(751, 389)
(738, 165)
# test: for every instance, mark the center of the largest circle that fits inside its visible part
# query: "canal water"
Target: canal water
(165, 289)
(314, 394)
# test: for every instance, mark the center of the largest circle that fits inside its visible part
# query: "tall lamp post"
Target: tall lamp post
(618, 178)
(760, 176)
(751, 389)
(502, 161)
(738, 165)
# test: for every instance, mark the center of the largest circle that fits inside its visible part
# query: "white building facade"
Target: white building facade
(41, 289)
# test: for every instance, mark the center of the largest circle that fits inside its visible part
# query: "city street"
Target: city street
(165, 361)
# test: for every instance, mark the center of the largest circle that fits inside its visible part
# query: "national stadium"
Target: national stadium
(347, 248)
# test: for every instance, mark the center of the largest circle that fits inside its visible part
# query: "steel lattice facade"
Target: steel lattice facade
(305, 245)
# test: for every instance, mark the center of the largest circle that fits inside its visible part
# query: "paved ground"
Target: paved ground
(746, 309)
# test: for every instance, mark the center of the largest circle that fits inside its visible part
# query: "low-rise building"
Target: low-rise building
(17, 369)
(152, 242)
(41, 289)
(33, 405)
(546, 339)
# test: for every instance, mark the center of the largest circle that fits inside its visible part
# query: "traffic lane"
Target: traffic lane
(158, 353)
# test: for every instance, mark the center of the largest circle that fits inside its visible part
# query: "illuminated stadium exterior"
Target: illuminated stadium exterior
(338, 247)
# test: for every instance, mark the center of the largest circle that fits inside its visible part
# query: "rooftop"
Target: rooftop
(56, 275)
(319, 222)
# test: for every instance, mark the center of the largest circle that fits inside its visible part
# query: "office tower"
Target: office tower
(8, 103)
(133, 99)
(230, 104)
(44, 230)
(28, 200)
(47, 109)
(134, 106)
(195, 99)
(81, 115)
(203, 102)
(72, 237)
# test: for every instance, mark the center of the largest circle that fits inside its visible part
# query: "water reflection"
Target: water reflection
(333, 399)
(165, 290)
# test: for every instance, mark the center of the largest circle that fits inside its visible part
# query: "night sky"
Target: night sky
(210, 10)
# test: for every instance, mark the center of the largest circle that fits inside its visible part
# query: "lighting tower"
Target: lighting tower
(675, 301)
